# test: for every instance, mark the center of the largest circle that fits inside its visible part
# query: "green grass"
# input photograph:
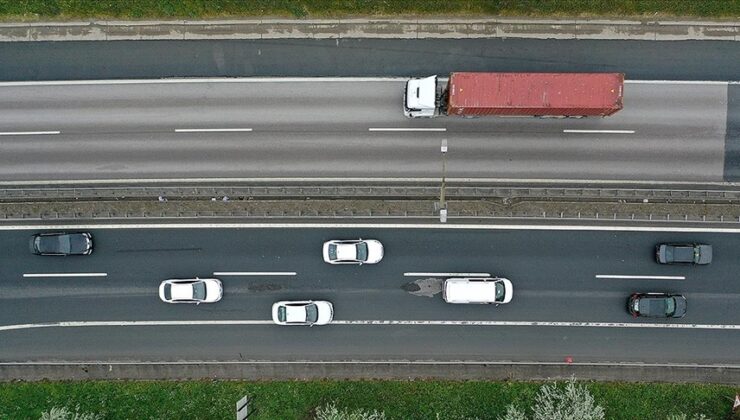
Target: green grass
(170, 9)
(297, 399)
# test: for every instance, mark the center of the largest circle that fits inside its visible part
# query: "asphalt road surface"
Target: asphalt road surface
(353, 128)
(645, 60)
(380, 314)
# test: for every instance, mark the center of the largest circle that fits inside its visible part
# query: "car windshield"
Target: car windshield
(670, 306)
(281, 313)
(332, 252)
(500, 290)
(312, 313)
(199, 291)
(362, 251)
(167, 291)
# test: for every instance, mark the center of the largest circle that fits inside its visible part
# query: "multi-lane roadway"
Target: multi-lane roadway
(570, 294)
(352, 128)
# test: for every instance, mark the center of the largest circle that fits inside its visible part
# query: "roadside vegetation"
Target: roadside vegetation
(362, 400)
(194, 9)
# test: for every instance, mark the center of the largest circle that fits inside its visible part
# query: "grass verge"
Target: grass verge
(298, 399)
(171, 9)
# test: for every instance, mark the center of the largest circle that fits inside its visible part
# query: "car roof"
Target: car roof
(347, 251)
(180, 291)
(295, 313)
(467, 290)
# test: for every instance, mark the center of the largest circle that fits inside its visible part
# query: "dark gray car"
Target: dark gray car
(683, 254)
(657, 305)
(62, 244)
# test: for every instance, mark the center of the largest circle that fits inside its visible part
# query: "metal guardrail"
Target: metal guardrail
(464, 203)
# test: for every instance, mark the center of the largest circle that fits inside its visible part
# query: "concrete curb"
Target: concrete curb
(101, 30)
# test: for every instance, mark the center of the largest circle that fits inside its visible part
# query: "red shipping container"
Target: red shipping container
(535, 94)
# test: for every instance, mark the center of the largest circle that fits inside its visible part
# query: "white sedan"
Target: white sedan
(302, 312)
(353, 251)
(191, 291)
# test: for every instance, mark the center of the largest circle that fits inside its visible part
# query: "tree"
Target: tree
(573, 402)
(553, 402)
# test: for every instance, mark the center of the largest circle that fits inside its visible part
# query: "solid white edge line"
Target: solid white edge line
(407, 129)
(294, 80)
(366, 362)
(447, 274)
(596, 228)
(643, 325)
(29, 133)
(254, 273)
(619, 276)
(204, 80)
(36, 275)
(600, 131)
(211, 130)
(353, 179)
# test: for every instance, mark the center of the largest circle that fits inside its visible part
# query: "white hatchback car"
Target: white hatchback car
(302, 312)
(191, 291)
(353, 251)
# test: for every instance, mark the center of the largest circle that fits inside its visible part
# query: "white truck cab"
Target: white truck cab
(420, 98)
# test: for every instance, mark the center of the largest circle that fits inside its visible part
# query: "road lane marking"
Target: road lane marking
(29, 133)
(254, 273)
(447, 274)
(35, 275)
(504, 227)
(601, 131)
(407, 129)
(643, 325)
(211, 130)
(620, 276)
(540, 324)
(296, 80)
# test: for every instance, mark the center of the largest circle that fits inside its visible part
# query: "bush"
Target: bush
(331, 412)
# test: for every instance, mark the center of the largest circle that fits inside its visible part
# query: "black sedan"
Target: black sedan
(683, 254)
(657, 305)
(62, 244)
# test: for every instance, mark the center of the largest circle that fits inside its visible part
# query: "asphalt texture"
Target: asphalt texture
(322, 129)
(553, 275)
(732, 134)
(646, 60)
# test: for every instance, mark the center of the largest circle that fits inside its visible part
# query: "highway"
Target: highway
(332, 129)
(560, 307)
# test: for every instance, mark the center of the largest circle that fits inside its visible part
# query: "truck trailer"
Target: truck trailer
(556, 95)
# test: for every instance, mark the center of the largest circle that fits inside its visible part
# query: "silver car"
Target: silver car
(353, 251)
(191, 291)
